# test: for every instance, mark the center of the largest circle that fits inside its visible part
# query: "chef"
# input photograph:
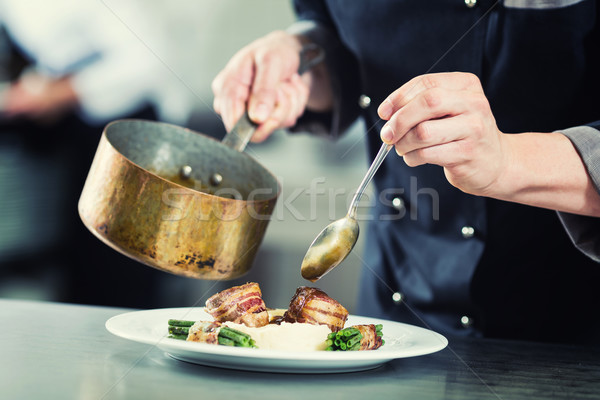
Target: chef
(487, 220)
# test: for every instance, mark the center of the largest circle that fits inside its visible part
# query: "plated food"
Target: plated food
(148, 327)
(312, 322)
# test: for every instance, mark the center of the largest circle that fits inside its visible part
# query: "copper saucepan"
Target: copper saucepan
(151, 194)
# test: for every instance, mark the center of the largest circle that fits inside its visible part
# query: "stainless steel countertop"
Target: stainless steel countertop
(62, 351)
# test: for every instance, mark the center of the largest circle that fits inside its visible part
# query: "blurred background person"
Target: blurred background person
(68, 67)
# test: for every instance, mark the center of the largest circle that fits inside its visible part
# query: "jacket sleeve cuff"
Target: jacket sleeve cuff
(344, 112)
(584, 233)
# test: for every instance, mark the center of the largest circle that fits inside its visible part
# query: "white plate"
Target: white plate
(150, 327)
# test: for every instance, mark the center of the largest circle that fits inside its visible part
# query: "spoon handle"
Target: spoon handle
(381, 154)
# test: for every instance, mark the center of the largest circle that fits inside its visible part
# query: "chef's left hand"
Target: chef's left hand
(445, 119)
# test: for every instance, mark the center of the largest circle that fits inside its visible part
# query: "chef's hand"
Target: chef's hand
(264, 77)
(445, 119)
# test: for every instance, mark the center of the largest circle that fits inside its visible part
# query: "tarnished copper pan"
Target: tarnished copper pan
(137, 200)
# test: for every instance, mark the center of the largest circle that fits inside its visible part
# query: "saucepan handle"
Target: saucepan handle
(310, 55)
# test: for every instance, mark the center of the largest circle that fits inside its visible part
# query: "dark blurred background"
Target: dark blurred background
(151, 60)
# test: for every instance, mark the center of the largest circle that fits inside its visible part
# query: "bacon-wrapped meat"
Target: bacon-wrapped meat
(240, 304)
(371, 338)
(314, 306)
(205, 332)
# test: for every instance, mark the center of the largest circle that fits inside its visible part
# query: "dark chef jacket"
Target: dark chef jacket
(435, 256)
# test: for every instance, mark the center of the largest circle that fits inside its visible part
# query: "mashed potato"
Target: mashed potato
(287, 336)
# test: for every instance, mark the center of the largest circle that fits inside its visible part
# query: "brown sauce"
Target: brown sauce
(194, 184)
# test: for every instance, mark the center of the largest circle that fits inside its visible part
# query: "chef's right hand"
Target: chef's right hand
(264, 77)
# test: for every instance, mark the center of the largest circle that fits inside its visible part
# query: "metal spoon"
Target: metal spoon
(337, 240)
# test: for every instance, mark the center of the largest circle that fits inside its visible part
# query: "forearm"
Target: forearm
(314, 26)
(334, 89)
(545, 170)
(321, 93)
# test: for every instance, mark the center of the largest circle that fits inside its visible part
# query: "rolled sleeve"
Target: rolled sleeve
(586, 140)
(585, 231)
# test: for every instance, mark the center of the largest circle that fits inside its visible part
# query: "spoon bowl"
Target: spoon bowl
(337, 240)
(330, 248)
